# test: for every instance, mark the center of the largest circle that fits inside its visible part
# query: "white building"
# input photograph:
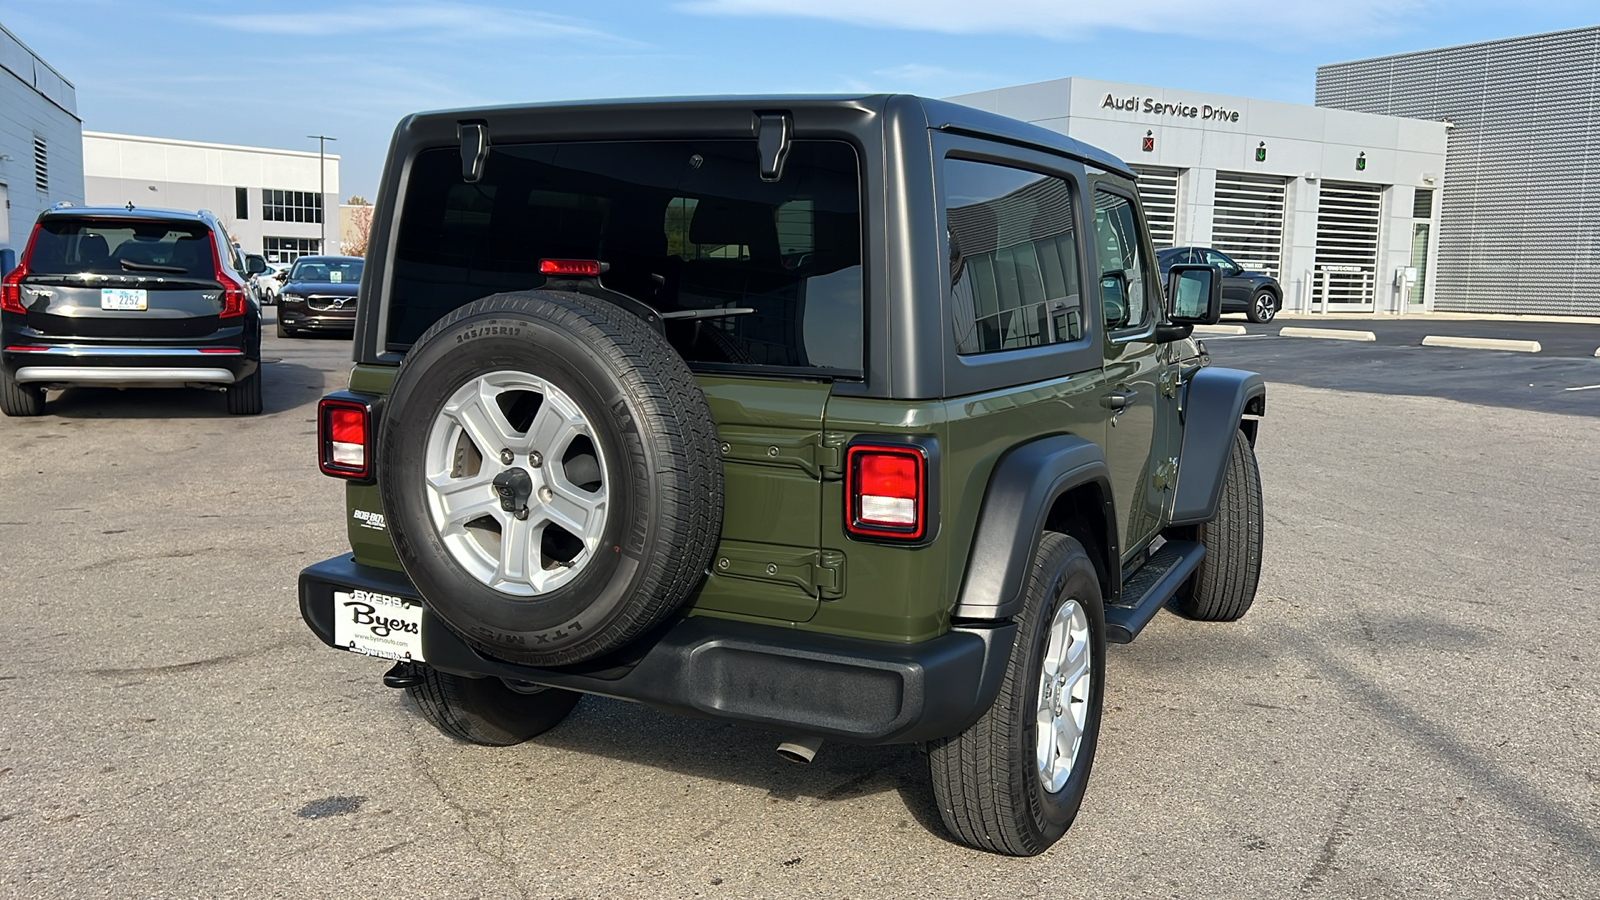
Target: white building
(270, 200)
(41, 140)
(1338, 205)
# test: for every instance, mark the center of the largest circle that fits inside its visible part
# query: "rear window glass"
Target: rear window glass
(74, 246)
(328, 271)
(774, 268)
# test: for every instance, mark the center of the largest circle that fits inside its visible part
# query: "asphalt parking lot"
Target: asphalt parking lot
(1412, 708)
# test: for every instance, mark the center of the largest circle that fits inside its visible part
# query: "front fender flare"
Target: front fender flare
(1025, 484)
(1215, 401)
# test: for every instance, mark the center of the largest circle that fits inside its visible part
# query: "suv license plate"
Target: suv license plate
(377, 624)
(123, 298)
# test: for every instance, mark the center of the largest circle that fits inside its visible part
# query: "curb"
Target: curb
(1240, 329)
(1332, 334)
(1470, 343)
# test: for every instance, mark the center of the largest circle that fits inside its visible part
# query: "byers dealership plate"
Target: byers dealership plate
(377, 624)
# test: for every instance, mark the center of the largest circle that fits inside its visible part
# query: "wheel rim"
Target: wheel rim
(1264, 306)
(513, 438)
(1065, 680)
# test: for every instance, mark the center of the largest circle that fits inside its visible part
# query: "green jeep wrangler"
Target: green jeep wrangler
(853, 418)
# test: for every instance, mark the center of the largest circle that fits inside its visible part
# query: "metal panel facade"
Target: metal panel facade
(1520, 219)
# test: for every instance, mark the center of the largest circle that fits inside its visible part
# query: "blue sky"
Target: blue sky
(270, 73)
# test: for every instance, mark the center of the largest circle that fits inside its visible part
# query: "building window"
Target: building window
(288, 249)
(41, 164)
(1422, 204)
(291, 206)
(241, 203)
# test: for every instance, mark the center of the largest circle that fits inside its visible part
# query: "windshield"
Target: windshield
(749, 272)
(65, 246)
(327, 271)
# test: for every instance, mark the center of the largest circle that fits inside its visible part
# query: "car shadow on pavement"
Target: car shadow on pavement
(286, 386)
(600, 726)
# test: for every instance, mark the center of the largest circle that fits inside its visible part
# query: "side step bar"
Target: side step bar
(1150, 588)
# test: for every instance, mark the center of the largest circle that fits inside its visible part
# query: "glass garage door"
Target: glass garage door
(1348, 216)
(1158, 194)
(1247, 220)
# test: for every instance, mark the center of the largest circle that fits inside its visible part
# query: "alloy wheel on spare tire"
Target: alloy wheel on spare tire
(543, 474)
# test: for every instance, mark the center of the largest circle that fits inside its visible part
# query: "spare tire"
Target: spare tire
(549, 474)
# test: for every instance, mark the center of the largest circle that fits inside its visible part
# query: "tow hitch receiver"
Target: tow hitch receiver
(403, 675)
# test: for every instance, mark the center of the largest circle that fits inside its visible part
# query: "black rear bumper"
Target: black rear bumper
(850, 689)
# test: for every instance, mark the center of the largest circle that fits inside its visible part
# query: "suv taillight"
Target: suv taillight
(233, 301)
(11, 285)
(887, 490)
(344, 438)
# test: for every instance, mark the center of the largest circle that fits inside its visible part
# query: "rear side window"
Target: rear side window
(774, 268)
(1013, 258)
(66, 246)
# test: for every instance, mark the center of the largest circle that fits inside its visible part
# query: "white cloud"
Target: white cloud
(432, 21)
(1275, 20)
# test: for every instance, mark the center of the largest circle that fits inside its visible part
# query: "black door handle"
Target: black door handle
(1119, 400)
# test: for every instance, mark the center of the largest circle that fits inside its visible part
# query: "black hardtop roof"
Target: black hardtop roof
(122, 212)
(940, 114)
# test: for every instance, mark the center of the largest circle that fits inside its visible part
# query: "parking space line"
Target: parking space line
(1332, 334)
(1473, 343)
(1587, 387)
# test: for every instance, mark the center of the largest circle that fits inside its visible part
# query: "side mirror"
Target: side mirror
(255, 265)
(1194, 295)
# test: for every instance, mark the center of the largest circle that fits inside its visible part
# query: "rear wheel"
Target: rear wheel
(488, 711)
(1225, 585)
(1013, 782)
(244, 396)
(20, 399)
(1263, 306)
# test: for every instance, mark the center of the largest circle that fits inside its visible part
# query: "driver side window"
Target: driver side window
(1123, 297)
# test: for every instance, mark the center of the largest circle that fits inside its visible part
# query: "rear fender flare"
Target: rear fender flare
(1023, 489)
(1215, 403)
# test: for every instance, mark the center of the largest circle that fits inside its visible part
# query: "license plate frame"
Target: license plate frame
(124, 299)
(377, 624)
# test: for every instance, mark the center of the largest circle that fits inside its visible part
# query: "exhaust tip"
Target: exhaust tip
(800, 750)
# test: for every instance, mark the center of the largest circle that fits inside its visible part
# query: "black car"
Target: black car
(128, 297)
(1255, 294)
(320, 295)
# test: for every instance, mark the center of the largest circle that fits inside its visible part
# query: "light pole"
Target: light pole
(322, 184)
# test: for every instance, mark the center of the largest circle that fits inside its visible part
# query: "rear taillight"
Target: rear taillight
(11, 285)
(344, 438)
(887, 490)
(233, 301)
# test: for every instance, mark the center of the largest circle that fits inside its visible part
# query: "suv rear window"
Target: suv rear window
(683, 225)
(66, 246)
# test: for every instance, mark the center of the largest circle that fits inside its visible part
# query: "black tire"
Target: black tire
(985, 780)
(1225, 584)
(652, 429)
(1263, 306)
(486, 711)
(244, 396)
(18, 400)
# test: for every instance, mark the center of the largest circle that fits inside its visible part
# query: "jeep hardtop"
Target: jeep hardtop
(864, 419)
